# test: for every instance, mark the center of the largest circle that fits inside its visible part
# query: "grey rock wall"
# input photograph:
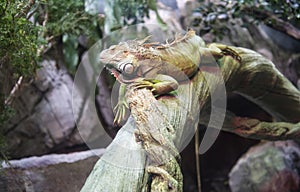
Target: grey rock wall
(49, 173)
(44, 120)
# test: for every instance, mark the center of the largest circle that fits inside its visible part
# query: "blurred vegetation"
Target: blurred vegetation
(120, 13)
(214, 16)
(63, 22)
(19, 37)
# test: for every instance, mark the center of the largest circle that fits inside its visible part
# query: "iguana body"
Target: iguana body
(137, 61)
(180, 59)
(243, 70)
(166, 67)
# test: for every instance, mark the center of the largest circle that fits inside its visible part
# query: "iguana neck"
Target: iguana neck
(180, 58)
(183, 53)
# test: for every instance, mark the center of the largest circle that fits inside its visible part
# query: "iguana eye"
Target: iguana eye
(128, 68)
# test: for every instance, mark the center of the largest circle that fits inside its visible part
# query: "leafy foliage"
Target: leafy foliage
(19, 38)
(120, 13)
(133, 10)
(69, 17)
(70, 51)
(19, 45)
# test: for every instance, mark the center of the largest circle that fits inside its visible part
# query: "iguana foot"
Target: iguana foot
(158, 87)
(121, 107)
(225, 51)
(230, 52)
(120, 111)
(144, 83)
(171, 182)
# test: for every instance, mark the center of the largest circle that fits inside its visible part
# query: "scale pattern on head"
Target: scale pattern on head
(134, 58)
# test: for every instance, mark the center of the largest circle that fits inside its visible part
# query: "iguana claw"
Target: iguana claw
(220, 50)
(228, 51)
(157, 86)
(145, 83)
(120, 111)
(121, 107)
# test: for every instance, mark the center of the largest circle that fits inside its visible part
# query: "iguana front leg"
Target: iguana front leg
(162, 84)
(120, 108)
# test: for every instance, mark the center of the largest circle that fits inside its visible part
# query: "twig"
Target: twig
(197, 142)
(13, 91)
(25, 9)
(33, 11)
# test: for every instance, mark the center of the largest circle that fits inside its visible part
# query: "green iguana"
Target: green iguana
(186, 65)
(244, 71)
(140, 62)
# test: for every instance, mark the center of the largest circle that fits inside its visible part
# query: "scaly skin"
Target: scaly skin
(244, 71)
(141, 62)
(179, 59)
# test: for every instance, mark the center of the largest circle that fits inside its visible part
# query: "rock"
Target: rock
(186, 8)
(44, 116)
(64, 172)
(169, 3)
(281, 39)
(292, 69)
(169, 15)
(265, 52)
(44, 121)
(268, 167)
(94, 6)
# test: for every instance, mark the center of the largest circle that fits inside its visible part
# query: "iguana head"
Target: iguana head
(136, 58)
(129, 60)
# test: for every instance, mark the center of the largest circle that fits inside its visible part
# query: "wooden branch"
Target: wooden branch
(121, 168)
(253, 128)
(272, 21)
(155, 134)
(256, 129)
(257, 79)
